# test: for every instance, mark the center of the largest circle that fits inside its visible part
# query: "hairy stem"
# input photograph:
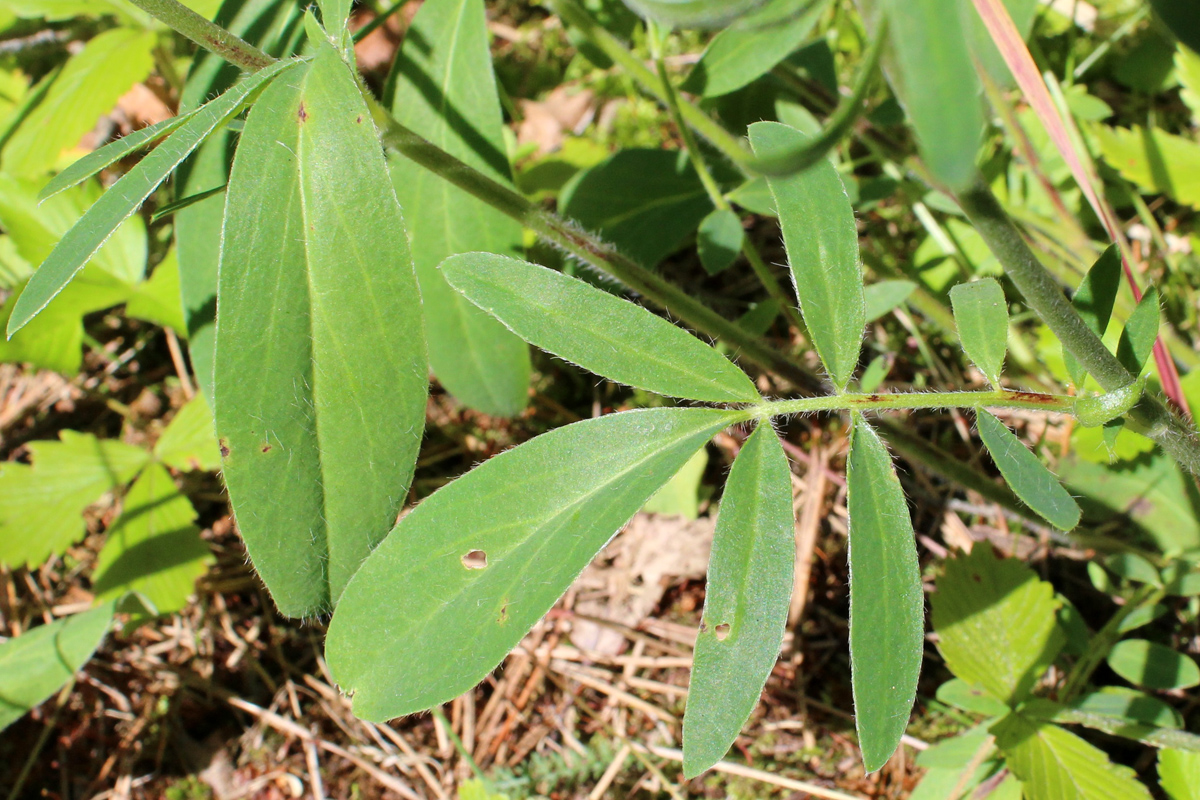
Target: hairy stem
(207, 34)
(1001, 398)
(1045, 296)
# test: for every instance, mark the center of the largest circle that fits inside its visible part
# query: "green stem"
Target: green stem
(1103, 641)
(207, 34)
(1001, 398)
(1044, 296)
(773, 286)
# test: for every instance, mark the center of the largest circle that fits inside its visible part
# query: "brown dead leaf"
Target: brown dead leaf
(546, 122)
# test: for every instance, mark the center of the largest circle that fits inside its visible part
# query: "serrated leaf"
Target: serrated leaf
(320, 370)
(590, 327)
(1026, 474)
(189, 443)
(1094, 301)
(746, 602)
(885, 296)
(1054, 764)
(887, 607)
(1152, 665)
(474, 357)
(693, 13)
(98, 160)
(157, 299)
(1139, 334)
(751, 47)
(1179, 774)
(822, 246)
(680, 496)
(934, 77)
(981, 315)
(996, 623)
(49, 495)
(88, 86)
(646, 202)
(475, 565)
(276, 29)
(1153, 160)
(153, 548)
(123, 199)
(719, 240)
(36, 664)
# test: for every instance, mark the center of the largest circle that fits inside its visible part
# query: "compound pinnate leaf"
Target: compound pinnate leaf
(124, 198)
(1179, 774)
(1055, 764)
(446, 46)
(981, 314)
(1026, 474)
(153, 548)
(1140, 332)
(934, 77)
(1152, 665)
(320, 370)
(746, 603)
(887, 628)
(996, 623)
(49, 495)
(590, 327)
(752, 46)
(34, 665)
(822, 246)
(693, 13)
(474, 566)
(1094, 301)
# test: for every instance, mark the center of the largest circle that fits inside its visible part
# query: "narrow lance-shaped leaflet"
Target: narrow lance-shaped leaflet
(320, 356)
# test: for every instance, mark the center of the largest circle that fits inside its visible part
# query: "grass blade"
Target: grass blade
(474, 566)
(602, 333)
(122, 200)
(320, 356)
(822, 246)
(887, 613)
(746, 603)
(1027, 475)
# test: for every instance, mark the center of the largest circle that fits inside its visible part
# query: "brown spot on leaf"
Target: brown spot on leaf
(302, 114)
(224, 449)
(503, 614)
(359, 120)
(266, 448)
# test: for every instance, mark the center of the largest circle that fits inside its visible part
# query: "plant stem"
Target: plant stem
(1103, 642)
(1001, 398)
(1044, 296)
(207, 34)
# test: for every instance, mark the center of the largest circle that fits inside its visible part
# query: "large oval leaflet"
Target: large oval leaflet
(320, 376)
(464, 576)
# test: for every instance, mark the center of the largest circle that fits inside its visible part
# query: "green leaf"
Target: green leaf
(719, 240)
(1152, 665)
(1054, 764)
(98, 160)
(36, 664)
(746, 602)
(887, 627)
(981, 314)
(1094, 301)
(960, 694)
(1026, 474)
(276, 29)
(443, 89)
(751, 47)
(123, 199)
(153, 548)
(1183, 18)
(1155, 161)
(49, 495)
(475, 565)
(58, 10)
(587, 326)
(983, 48)
(334, 14)
(1179, 774)
(995, 623)
(883, 297)
(1187, 68)
(646, 202)
(693, 13)
(189, 443)
(934, 77)
(1139, 334)
(88, 87)
(320, 370)
(680, 495)
(1118, 702)
(822, 246)
(157, 300)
